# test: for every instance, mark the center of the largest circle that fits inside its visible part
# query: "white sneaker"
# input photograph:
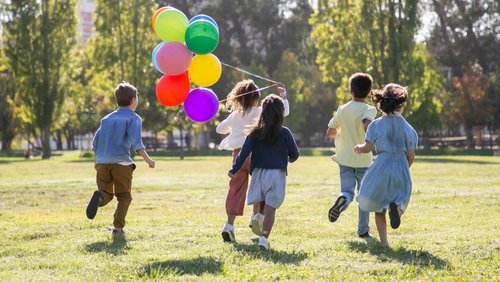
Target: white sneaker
(263, 243)
(257, 222)
(228, 233)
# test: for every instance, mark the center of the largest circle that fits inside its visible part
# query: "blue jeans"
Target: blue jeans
(350, 181)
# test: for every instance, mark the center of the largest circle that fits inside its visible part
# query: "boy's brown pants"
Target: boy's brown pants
(115, 180)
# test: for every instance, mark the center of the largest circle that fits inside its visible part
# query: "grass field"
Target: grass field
(451, 230)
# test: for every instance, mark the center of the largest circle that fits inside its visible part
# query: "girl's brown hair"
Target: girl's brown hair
(268, 127)
(243, 96)
(390, 98)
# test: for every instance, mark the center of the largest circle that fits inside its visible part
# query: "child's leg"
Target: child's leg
(238, 185)
(381, 227)
(104, 182)
(269, 214)
(122, 179)
(259, 207)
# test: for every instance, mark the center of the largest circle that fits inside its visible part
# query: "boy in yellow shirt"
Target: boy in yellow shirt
(348, 127)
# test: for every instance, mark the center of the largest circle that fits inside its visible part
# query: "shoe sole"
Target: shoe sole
(394, 215)
(336, 209)
(256, 228)
(227, 237)
(93, 204)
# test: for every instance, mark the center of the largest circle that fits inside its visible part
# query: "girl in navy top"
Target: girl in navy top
(271, 146)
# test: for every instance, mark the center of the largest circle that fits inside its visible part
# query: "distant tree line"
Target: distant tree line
(54, 87)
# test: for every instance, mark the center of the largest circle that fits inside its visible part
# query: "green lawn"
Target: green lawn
(451, 230)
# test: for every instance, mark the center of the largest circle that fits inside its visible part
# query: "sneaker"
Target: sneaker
(93, 205)
(257, 221)
(118, 232)
(263, 243)
(337, 208)
(228, 233)
(394, 215)
(365, 235)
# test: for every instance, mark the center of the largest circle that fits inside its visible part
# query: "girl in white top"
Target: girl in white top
(243, 104)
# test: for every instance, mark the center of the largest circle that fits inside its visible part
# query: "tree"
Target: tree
(38, 38)
(7, 118)
(376, 37)
(465, 42)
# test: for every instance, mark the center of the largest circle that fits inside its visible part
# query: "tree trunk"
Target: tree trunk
(469, 135)
(45, 136)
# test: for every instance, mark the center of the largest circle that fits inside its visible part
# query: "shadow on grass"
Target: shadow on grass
(444, 160)
(115, 247)
(405, 256)
(196, 266)
(253, 251)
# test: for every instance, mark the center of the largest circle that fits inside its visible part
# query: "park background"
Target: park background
(60, 61)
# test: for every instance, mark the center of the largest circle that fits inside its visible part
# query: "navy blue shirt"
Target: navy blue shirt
(268, 156)
(119, 132)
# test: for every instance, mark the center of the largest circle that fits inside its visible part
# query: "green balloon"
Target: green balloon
(202, 37)
(171, 25)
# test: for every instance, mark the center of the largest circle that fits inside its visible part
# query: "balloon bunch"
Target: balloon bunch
(185, 57)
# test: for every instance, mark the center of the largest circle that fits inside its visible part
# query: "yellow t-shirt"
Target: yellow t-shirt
(349, 125)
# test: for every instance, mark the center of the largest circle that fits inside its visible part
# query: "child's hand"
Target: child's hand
(151, 163)
(357, 149)
(281, 90)
(230, 174)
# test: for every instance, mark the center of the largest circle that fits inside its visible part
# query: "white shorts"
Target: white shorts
(267, 185)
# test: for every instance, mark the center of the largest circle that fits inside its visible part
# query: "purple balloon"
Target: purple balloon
(201, 105)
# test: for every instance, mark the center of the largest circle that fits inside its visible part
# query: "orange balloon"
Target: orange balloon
(156, 15)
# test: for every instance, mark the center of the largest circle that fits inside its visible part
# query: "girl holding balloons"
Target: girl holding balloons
(243, 104)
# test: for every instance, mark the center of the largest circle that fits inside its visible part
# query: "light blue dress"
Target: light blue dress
(388, 179)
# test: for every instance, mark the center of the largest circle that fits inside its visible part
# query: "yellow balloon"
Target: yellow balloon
(205, 70)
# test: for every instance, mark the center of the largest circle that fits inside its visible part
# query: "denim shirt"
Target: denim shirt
(120, 131)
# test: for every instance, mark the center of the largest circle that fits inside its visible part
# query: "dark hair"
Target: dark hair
(268, 127)
(390, 98)
(236, 101)
(360, 84)
(125, 93)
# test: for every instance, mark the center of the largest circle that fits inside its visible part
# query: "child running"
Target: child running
(348, 127)
(120, 132)
(271, 146)
(243, 104)
(387, 183)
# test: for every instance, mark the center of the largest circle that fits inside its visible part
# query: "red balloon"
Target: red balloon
(172, 90)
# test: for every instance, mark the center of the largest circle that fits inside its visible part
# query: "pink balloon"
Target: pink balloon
(173, 58)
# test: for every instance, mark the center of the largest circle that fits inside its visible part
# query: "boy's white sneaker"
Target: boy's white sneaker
(263, 243)
(228, 233)
(257, 222)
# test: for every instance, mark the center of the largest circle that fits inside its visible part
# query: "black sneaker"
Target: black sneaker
(118, 232)
(228, 236)
(394, 215)
(365, 235)
(93, 205)
(337, 208)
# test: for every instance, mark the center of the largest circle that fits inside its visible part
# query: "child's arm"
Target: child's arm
(282, 94)
(363, 148)
(331, 133)
(410, 156)
(224, 126)
(366, 122)
(242, 156)
(292, 148)
(146, 157)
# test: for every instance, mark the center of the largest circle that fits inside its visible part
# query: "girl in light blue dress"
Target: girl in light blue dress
(386, 185)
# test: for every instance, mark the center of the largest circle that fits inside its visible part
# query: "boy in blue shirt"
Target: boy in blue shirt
(120, 131)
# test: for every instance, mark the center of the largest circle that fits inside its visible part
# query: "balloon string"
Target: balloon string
(249, 73)
(246, 93)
